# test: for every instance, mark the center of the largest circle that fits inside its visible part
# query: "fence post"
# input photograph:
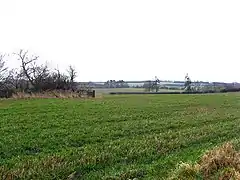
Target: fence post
(94, 94)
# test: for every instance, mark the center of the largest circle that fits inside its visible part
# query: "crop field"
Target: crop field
(115, 137)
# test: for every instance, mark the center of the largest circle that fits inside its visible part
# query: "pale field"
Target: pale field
(104, 91)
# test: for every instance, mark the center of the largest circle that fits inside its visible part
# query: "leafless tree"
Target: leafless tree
(15, 79)
(59, 80)
(3, 72)
(33, 72)
(187, 83)
(3, 68)
(72, 73)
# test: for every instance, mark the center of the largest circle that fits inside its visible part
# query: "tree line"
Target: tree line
(32, 76)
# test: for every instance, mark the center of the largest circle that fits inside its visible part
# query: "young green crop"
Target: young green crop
(116, 137)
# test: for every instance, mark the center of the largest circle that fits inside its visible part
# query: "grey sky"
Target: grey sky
(128, 39)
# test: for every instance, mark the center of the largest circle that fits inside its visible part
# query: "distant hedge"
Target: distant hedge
(230, 90)
(6, 93)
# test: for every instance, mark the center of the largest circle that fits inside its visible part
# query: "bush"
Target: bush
(6, 93)
(220, 163)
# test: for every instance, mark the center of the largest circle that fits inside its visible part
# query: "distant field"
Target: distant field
(115, 137)
(102, 91)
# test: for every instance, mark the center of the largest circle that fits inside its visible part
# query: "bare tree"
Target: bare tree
(156, 84)
(59, 80)
(152, 85)
(12, 80)
(3, 68)
(26, 65)
(3, 72)
(33, 72)
(187, 83)
(72, 73)
(6, 89)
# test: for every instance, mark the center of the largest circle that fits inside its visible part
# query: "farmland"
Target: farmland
(115, 137)
(104, 91)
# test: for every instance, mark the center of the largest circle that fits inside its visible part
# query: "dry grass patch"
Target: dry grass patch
(221, 163)
(50, 94)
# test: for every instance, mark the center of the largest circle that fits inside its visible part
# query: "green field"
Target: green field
(115, 137)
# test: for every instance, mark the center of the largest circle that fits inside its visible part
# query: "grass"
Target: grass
(116, 137)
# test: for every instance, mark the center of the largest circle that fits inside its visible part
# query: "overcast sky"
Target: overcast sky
(128, 39)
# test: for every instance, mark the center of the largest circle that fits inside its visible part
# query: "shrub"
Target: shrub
(220, 163)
